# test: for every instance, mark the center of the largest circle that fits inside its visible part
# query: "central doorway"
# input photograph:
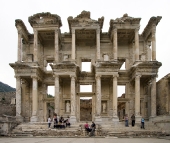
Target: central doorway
(85, 108)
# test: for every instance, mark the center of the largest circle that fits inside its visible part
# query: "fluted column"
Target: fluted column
(115, 43)
(153, 97)
(34, 117)
(98, 99)
(137, 97)
(35, 45)
(98, 43)
(57, 95)
(154, 43)
(18, 99)
(136, 44)
(19, 45)
(115, 117)
(73, 100)
(56, 46)
(73, 44)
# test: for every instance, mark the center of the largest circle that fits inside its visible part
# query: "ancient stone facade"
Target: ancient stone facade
(66, 52)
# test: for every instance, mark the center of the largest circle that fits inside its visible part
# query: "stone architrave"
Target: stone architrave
(154, 42)
(73, 100)
(34, 117)
(137, 98)
(137, 44)
(57, 96)
(115, 117)
(56, 46)
(98, 99)
(98, 43)
(18, 99)
(73, 44)
(35, 45)
(115, 43)
(153, 97)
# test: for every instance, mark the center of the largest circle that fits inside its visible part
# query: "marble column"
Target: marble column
(137, 44)
(154, 43)
(18, 99)
(57, 95)
(98, 99)
(73, 100)
(115, 117)
(73, 45)
(35, 45)
(153, 97)
(34, 117)
(98, 43)
(115, 43)
(137, 98)
(56, 46)
(19, 45)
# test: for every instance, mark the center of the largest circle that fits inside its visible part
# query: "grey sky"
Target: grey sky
(110, 9)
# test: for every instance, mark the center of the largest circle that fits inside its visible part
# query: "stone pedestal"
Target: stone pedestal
(138, 119)
(97, 119)
(34, 119)
(73, 119)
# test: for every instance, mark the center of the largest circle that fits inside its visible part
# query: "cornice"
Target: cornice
(148, 28)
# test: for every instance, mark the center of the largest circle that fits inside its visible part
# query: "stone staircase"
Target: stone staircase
(103, 130)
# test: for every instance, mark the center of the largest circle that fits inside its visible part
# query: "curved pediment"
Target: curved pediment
(41, 19)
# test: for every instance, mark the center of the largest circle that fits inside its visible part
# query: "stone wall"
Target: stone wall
(7, 103)
(163, 96)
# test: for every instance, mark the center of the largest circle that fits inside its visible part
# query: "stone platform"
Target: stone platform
(108, 129)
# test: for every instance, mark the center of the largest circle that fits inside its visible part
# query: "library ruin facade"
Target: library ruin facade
(66, 52)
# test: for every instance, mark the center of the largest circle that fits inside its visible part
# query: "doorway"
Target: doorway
(85, 108)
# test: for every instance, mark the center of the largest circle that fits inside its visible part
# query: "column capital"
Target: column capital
(56, 30)
(115, 75)
(114, 29)
(138, 75)
(34, 77)
(35, 31)
(98, 31)
(72, 77)
(73, 30)
(56, 75)
(137, 29)
(17, 77)
(98, 76)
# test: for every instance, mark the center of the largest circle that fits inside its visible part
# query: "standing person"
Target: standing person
(49, 122)
(126, 120)
(55, 120)
(133, 120)
(142, 123)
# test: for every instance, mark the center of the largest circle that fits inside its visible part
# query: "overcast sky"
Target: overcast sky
(110, 9)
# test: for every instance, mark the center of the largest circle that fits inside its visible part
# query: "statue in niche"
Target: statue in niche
(104, 107)
(67, 106)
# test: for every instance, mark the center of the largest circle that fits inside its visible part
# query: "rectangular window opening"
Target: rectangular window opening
(86, 66)
(85, 88)
(50, 91)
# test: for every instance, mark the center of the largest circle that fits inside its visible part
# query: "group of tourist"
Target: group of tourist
(126, 118)
(90, 129)
(59, 122)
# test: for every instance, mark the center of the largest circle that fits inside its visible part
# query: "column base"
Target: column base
(98, 119)
(34, 119)
(73, 119)
(19, 118)
(138, 119)
(151, 118)
(115, 119)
